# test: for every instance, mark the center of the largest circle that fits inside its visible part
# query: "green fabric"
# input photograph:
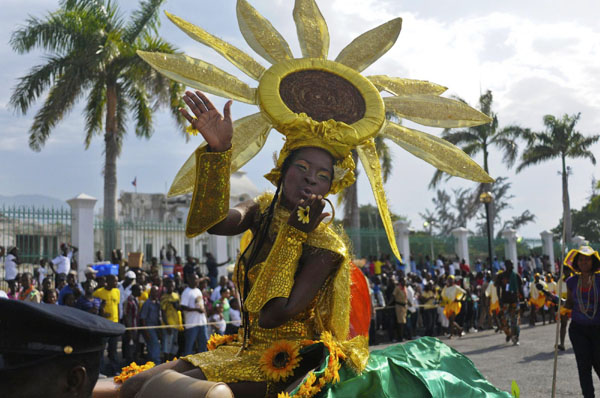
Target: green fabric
(421, 368)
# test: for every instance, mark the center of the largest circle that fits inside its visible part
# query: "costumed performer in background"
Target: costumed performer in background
(300, 333)
(583, 299)
(452, 296)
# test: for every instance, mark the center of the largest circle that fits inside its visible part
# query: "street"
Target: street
(530, 364)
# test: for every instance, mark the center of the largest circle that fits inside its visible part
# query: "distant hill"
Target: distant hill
(32, 201)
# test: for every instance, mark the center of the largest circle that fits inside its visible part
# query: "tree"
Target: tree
(92, 52)
(481, 139)
(456, 209)
(586, 222)
(560, 140)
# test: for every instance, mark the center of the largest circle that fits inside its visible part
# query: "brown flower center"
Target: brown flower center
(281, 360)
(322, 96)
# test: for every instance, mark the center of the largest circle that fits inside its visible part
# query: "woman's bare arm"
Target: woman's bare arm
(238, 220)
(316, 266)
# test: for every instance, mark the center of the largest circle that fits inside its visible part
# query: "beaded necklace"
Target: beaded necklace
(585, 308)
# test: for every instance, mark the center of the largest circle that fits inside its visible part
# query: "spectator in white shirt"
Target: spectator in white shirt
(63, 261)
(10, 266)
(192, 305)
(125, 288)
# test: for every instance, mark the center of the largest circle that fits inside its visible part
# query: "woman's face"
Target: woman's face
(584, 263)
(310, 172)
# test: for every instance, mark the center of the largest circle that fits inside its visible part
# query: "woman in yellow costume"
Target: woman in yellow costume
(452, 295)
(299, 337)
(537, 299)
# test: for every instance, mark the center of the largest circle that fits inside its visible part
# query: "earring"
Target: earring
(332, 212)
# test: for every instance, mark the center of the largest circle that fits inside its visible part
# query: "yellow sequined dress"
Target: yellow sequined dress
(273, 276)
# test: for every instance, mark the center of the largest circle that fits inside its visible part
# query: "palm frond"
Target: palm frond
(460, 137)
(536, 154)
(485, 102)
(509, 148)
(143, 20)
(142, 113)
(94, 111)
(31, 86)
(60, 100)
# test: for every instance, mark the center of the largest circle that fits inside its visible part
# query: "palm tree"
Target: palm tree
(92, 52)
(560, 140)
(481, 139)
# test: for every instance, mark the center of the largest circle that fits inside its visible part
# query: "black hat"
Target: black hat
(31, 332)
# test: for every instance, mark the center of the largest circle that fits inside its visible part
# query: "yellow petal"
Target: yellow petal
(431, 110)
(436, 151)
(400, 86)
(260, 35)
(313, 34)
(243, 61)
(200, 75)
(370, 46)
(249, 135)
(370, 161)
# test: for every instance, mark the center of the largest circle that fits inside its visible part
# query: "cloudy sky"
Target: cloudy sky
(537, 57)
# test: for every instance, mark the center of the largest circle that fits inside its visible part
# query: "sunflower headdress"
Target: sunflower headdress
(321, 103)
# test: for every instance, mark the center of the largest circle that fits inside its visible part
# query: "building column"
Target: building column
(579, 241)
(548, 245)
(402, 234)
(462, 243)
(82, 230)
(510, 248)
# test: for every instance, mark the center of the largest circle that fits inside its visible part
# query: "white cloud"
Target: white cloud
(536, 57)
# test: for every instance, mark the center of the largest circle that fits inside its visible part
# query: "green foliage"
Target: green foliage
(90, 47)
(586, 221)
(560, 140)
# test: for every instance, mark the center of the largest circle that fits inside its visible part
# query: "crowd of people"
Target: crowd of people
(448, 297)
(169, 308)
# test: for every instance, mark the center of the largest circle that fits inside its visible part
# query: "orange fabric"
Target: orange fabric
(360, 307)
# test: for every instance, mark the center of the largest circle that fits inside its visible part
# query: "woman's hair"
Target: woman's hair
(595, 263)
(256, 244)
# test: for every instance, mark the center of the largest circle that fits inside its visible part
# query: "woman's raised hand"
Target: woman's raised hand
(216, 129)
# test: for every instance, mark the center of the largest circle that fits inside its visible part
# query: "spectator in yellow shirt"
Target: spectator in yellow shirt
(111, 296)
(169, 304)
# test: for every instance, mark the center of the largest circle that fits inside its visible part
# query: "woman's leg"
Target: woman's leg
(582, 345)
(563, 330)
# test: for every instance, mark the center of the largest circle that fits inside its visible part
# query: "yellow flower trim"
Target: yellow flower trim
(313, 385)
(217, 340)
(279, 361)
(304, 214)
(283, 394)
(131, 370)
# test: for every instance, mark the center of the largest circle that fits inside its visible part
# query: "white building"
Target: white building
(149, 221)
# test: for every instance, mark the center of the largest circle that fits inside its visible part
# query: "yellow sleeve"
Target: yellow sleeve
(210, 201)
(276, 276)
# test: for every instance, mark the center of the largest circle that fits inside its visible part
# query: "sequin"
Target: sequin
(329, 311)
(210, 202)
